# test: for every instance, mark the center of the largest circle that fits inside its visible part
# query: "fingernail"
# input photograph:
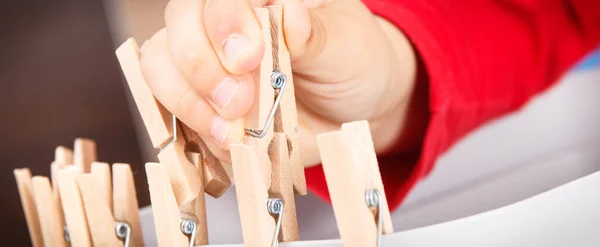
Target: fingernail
(234, 46)
(225, 91)
(219, 129)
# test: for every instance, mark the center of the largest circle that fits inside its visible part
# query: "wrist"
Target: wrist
(403, 110)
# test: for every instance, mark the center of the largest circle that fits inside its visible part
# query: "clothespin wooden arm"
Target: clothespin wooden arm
(50, 216)
(355, 187)
(163, 128)
(167, 216)
(23, 178)
(185, 183)
(286, 118)
(84, 154)
(282, 187)
(125, 204)
(258, 227)
(216, 176)
(76, 220)
(96, 193)
(161, 125)
(262, 165)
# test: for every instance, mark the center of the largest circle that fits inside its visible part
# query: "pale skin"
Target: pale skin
(348, 65)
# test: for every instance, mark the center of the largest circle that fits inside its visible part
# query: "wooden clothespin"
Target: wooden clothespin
(176, 185)
(163, 127)
(286, 117)
(355, 187)
(47, 197)
(125, 204)
(84, 154)
(101, 206)
(264, 165)
(217, 176)
(51, 219)
(41, 200)
(77, 230)
(63, 157)
(23, 177)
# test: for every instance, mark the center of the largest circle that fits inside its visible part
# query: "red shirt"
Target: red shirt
(483, 59)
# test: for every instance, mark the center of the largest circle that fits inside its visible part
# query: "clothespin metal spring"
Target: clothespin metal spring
(174, 123)
(278, 81)
(372, 197)
(123, 232)
(188, 227)
(275, 207)
(66, 234)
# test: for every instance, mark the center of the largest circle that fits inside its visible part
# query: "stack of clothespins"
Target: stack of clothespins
(84, 205)
(266, 167)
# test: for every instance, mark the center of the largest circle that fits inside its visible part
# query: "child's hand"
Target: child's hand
(348, 65)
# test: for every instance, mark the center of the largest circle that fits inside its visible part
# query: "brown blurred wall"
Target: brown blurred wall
(59, 79)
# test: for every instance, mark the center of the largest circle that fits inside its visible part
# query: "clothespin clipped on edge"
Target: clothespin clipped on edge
(76, 231)
(111, 205)
(286, 117)
(23, 177)
(355, 187)
(62, 158)
(166, 134)
(176, 186)
(264, 165)
(47, 196)
(83, 206)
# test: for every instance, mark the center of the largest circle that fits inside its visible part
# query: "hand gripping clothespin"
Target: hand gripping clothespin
(355, 187)
(266, 167)
(176, 186)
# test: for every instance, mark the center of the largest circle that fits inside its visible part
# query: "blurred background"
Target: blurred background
(60, 80)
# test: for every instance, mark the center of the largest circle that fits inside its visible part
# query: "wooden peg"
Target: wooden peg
(84, 154)
(258, 226)
(350, 165)
(265, 94)
(99, 215)
(73, 208)
(166, 213)
(63, 156)
(23, 177)
(103, 182)
(155, 117)
(159, 123)
(54, 168)
(197, 209)
(282, 187)
(49, 215)
(185, 178)
(286, 118)
(125, 204)
(215, 177)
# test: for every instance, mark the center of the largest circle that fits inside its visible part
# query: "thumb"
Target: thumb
(321, 39)
(297, 26)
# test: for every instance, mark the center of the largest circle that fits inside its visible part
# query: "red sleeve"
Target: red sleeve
(483, 59)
